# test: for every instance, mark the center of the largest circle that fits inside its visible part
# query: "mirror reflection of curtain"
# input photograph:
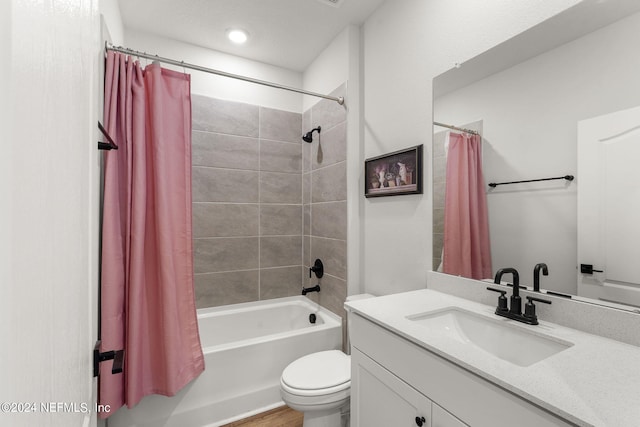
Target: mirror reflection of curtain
(467, 250)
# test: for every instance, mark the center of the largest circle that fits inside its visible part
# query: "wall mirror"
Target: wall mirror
(556, 100)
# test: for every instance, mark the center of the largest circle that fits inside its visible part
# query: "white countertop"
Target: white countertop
(596, 382)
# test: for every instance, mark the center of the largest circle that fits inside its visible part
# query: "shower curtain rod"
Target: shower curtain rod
(126, 50)
(473, 132)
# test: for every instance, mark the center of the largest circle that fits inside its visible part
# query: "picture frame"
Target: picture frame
(394, 174)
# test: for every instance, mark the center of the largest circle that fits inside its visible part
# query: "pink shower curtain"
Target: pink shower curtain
(466, 222)
(147, 299)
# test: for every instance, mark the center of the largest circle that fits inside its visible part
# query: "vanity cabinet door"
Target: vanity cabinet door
(442, 418)
(380, 399)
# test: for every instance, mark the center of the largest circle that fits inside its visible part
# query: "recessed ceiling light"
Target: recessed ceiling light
(237, 35)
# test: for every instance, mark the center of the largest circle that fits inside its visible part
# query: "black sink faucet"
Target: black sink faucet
(516, 301)
(515, 310)
(536, 275)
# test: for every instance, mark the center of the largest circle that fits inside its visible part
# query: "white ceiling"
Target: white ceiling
(285, 33)
(575, 22)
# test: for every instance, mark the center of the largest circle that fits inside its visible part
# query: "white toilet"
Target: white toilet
(319, 384)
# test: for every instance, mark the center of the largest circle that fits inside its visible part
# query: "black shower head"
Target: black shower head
(308, 137)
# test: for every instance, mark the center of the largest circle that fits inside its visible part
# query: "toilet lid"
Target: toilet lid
(322, 370)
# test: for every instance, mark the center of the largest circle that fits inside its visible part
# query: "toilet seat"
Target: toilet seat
(318, 374)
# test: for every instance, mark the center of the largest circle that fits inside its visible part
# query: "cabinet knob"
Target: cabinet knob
(420, 421)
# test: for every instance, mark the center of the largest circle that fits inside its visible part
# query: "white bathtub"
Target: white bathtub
(246, 347)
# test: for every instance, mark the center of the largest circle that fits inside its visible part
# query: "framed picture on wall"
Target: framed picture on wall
(394, 173)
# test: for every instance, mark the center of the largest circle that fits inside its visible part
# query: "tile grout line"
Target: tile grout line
(247, 170)
(259, 205)
(310, 172)
(257, 269)
(245, 237)
(246, 203)
(216, 132)
(302, 174)
(328, 166)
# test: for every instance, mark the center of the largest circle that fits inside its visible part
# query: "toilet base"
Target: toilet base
(328, 418)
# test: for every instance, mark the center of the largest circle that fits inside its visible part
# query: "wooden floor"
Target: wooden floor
(279, 417)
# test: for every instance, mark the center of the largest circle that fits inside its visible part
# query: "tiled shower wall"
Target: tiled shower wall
(266, 204)
(439, 176)
(325, 200)
(247, 202)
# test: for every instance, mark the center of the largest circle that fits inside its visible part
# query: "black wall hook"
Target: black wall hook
(111, 145)
(116, 356)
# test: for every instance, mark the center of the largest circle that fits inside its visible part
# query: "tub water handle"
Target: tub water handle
(317, 268)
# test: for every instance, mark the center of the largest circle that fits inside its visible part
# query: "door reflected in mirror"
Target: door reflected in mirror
(527, 98)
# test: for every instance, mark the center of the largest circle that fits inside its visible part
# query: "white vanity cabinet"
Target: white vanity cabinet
(380, 399)
(442, 418)
(395, 380)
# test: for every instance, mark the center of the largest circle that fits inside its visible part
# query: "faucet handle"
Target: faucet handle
(502, 300)
(317, 268)
(530, 309)
(546, 301)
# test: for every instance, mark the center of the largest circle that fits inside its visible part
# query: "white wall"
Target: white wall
(329, 70)
(110, 10)
(355, 172)
(49, 277)
(224, 87)
(6, 190)
(534, 134)
(406, 44)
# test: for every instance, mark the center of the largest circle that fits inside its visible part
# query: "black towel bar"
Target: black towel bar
(495, 184)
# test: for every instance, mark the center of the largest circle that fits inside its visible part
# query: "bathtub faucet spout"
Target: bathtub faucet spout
(315, 288)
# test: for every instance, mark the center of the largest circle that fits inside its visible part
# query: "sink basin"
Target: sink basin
(496, 336)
